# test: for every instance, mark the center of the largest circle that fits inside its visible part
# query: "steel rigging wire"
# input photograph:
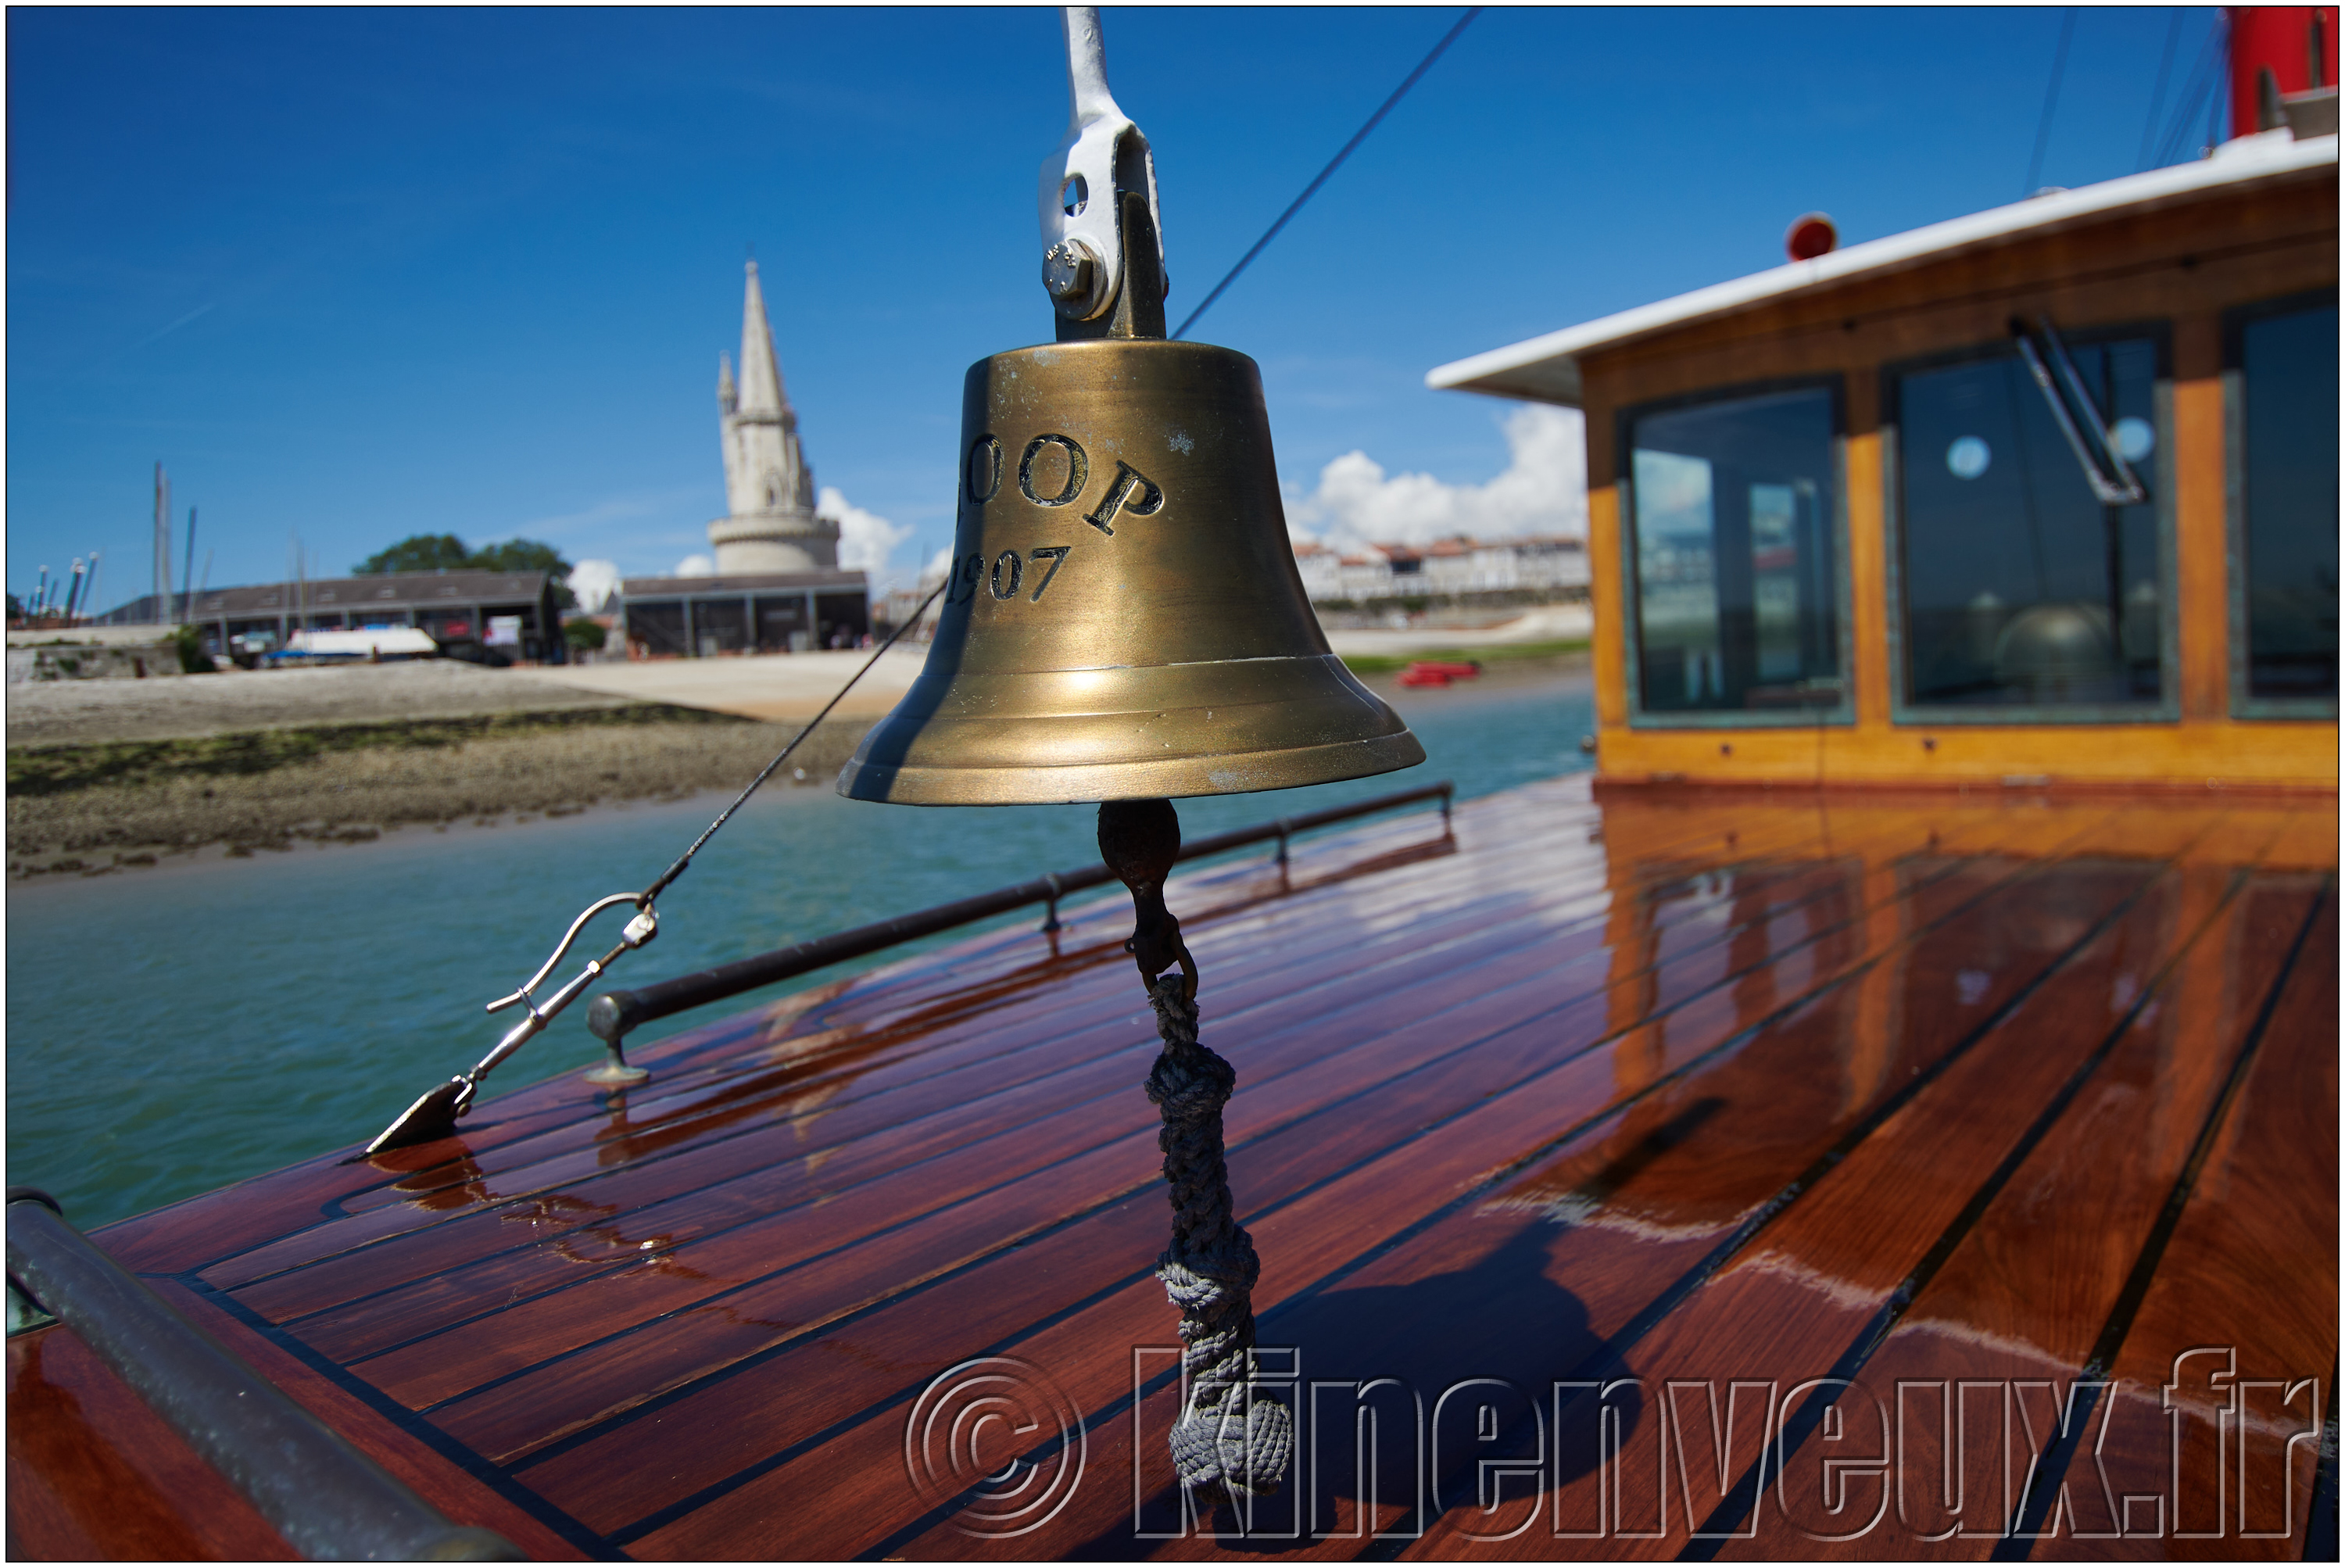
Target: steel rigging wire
(2202, 83)
(1333, 164)
(2157, 89)
(2051, 101)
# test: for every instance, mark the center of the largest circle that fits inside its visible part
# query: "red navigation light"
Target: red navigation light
(1811, 235)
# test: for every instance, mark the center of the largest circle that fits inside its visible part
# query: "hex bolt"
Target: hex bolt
(1069, 269)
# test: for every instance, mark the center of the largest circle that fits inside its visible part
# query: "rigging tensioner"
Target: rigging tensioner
(434, 1114)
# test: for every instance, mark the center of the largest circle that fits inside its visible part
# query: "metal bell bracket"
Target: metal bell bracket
(1103, 159)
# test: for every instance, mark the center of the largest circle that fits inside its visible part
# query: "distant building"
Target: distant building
(515, 612)
(767, 483)
(778, 587)
(766, 611)
(1446, 568)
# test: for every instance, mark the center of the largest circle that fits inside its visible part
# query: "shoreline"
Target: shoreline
(125, 800)
(91, 811)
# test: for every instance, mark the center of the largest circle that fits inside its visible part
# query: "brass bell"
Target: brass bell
(1123, 618)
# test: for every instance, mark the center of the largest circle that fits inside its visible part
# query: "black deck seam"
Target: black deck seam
(1106, 952)
(334, 1208)
(1125, 1195)
(2051, 1466)
(758, 1359)
(670, 1513)
(464, 1458)
(1705, 1542)
(2321, 1530)
(1532, 941)
(1766, 1211)
(1109, 1412)
(1613, 1355)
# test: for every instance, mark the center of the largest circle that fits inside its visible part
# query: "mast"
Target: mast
(162, 542)
(187, 572)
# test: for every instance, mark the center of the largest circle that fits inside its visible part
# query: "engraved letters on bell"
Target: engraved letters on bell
(1123, 618)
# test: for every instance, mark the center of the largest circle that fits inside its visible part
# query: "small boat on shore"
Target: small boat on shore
(1439, 672)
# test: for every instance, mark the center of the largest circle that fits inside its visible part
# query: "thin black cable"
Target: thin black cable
(1333, 164)
(2157, 92)
(782, 756)
(2051, 100)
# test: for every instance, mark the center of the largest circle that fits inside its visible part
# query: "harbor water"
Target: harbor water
(174, 1030)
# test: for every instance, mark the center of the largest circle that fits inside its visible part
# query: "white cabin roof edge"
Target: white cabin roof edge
(1546, 368)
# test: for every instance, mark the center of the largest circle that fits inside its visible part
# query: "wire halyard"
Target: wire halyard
(435, 1113)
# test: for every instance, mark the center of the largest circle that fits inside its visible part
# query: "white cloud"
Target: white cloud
(866, 539)
(695, 566)
(594, 582)
(940, 566)
(1544, 489)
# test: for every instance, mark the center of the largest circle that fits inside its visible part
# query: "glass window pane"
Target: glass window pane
(2287, 393)
(2021, 588)
(1738, 590)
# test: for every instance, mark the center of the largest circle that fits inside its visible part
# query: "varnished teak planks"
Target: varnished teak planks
(1710, 1098)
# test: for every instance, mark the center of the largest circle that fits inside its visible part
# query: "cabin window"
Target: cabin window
(1734, 507)
(2284, 453)
(2022, 586)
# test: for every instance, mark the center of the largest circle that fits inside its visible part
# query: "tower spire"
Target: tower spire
(769, 488)
(761, 373)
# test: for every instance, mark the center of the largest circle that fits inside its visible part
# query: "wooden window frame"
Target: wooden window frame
(2244, 706)
(1842, 715)
(1905, 713)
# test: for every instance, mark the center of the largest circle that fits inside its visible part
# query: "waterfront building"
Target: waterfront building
(765, 612)
(1550, 566)
(515, 612)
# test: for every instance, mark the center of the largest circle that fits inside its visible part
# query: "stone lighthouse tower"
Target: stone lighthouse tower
(767, 483)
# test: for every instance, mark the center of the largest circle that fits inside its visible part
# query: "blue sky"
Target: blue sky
(360, 274)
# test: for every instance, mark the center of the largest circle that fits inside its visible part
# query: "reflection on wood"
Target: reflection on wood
(1683, 1103)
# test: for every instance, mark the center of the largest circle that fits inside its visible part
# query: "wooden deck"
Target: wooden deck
(1576, 1148)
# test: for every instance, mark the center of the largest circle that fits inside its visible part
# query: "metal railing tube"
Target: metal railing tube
(616, 1013)
(327, 1499)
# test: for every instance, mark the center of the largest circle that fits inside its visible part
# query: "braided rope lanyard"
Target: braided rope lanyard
(1221, 1435)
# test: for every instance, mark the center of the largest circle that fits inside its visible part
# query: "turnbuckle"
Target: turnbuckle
(434, 1116)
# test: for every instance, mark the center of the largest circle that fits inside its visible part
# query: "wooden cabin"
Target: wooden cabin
(1852, 521)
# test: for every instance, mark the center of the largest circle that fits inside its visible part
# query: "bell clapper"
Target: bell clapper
(1140, 839)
